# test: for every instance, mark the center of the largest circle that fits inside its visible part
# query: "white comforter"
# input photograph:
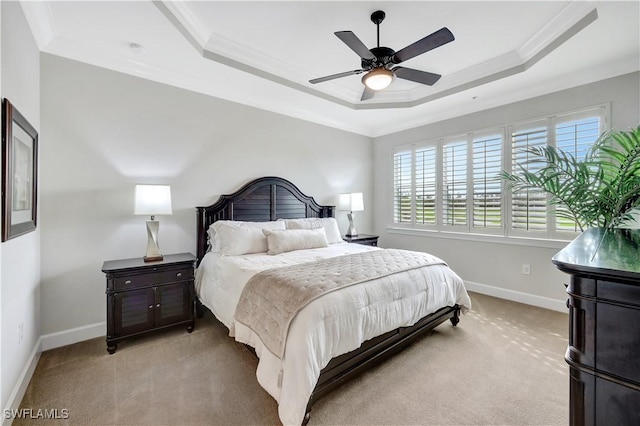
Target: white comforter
(334, 324)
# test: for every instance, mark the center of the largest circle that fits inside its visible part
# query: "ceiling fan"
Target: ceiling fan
(379, 62)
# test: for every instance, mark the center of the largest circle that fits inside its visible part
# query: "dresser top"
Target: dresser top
(611, 253)
(138, 262)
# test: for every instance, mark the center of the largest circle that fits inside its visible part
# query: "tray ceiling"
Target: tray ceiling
(263, 53)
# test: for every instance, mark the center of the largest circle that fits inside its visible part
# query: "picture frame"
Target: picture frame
(19, 173)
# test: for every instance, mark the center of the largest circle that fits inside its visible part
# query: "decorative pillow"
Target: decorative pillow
(281, 241)
(329, 224)
(234, 238)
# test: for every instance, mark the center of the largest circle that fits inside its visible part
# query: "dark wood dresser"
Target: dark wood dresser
(147, 296)
(604, 326)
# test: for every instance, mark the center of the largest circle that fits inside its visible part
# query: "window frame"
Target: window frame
(485, 134)
(505, 231)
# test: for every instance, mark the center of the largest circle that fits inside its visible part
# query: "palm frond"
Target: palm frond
(600, 190)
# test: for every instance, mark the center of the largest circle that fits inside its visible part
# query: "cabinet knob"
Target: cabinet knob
(127, 282)
(179, 274)
(158, 305)
(150, 306)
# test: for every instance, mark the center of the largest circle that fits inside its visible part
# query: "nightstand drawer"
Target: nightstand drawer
(154, 278)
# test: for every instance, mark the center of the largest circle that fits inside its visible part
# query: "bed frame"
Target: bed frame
(271, 198)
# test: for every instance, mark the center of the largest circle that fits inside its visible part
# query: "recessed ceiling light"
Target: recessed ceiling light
(136, 47)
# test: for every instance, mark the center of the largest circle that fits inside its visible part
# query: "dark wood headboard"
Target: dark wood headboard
(261, 200)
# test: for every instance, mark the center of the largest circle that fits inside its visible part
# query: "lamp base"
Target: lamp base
(153, 251)
(152, 259)
(351, 231)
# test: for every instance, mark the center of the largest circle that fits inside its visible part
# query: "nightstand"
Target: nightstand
(364, 239)
(148, 296)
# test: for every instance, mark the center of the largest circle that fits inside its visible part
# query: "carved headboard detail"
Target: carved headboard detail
(263, 199)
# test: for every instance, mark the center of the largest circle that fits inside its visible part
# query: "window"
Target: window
(575, 136)
(487, 183)
(528, 208)
(426, 185)
(455, 184)
(402, 187)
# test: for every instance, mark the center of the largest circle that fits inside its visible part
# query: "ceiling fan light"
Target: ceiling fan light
(378, 78)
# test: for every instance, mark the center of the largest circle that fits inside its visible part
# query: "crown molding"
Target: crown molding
(183, 18)
(573, 18)
(570, 21)
(40, 20)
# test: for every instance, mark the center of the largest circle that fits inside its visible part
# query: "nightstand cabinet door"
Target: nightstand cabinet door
(173, 304)
(133, 311)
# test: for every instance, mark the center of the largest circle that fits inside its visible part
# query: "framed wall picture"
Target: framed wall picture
(19, 173)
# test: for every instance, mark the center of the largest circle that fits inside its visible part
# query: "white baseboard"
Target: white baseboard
(517, 296)
(74, 335)
(23, 382)
(44, 343)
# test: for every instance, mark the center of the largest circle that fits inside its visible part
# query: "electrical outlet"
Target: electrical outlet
(526, 269)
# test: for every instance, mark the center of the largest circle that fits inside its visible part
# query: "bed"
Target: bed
(334, 334)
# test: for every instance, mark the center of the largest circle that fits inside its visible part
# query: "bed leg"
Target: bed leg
(199, 308)
(307, 416)
(455, 319)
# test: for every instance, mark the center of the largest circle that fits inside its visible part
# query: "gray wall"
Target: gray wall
(19, 257)
(489, 267)
(107, 131)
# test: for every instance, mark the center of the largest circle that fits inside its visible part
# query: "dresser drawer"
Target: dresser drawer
(153, 278)
(619, 292)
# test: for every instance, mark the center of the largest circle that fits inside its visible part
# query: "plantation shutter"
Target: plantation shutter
(426, 185)
(487, 183)
(454, 183)
(402, 187)
(528, 208)
(576, 137)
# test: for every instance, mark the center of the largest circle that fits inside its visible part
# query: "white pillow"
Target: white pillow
(234, 238)
(329, 224)
(211, 240)
(281, 241)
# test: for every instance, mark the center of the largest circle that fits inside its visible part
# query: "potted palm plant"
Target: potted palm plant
(600, 190)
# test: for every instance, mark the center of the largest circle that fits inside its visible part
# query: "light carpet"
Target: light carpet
(503, 365)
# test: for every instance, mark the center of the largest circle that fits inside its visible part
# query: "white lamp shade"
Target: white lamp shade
(153, 200)
(351, 202)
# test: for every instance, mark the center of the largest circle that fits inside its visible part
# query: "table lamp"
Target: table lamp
(152, 200)
(352, 202)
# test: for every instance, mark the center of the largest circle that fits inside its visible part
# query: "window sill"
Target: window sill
(484, 238)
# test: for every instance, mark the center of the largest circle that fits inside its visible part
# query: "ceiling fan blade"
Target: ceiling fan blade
(334, 76)
(437, 39)
(418, 76)
(352, 40)
(367, 94)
